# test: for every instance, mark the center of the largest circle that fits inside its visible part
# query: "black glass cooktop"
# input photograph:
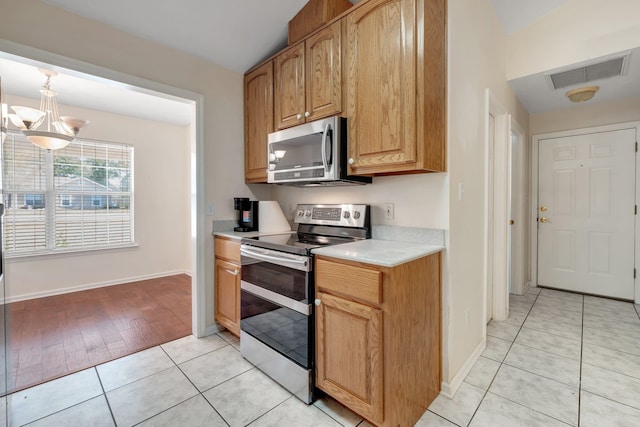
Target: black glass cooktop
(297, 243)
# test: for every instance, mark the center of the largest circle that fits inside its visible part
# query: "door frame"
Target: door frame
(500, 221)
(535, 141)
(518, 174)
(196, 143)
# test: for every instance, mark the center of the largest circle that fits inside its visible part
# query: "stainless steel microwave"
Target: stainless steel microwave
(311, 154)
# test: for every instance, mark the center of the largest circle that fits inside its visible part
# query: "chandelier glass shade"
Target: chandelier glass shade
(44, 127)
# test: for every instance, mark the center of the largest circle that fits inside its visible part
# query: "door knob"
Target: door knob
(543, 208)
(351, 161)
(511, 222)
(543, 219)
(307, 114)
(299, 116)
(317, 301)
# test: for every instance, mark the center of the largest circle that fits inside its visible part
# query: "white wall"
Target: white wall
(419, 200)
(578, 31)
(36, 24)
(585, 115)
(161, 177)
(477, 60)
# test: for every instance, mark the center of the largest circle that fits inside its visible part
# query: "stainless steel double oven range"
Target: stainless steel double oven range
(277, 291)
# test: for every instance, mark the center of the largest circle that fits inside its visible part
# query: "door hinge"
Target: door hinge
(636, 146)
(635, 212)
(634, 273)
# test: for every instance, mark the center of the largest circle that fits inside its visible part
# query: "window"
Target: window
(34, 201)
(79, 197)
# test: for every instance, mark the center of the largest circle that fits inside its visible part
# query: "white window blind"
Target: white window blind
(78, 197)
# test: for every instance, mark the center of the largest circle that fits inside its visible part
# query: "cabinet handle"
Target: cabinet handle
(299, 116)
(234, 272)
(351, 161)
(307, 114)
(317, 301)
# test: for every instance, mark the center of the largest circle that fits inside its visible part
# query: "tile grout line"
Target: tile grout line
(581, 354)
(194, 386)
(68, 407)
(104, 393)
(502, 362)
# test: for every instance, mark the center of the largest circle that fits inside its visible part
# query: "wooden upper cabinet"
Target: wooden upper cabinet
(308, 79)
(258, 121)
(324, 72)
(395, 86)
(289, 87)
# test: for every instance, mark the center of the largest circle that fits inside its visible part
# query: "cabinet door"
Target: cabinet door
(324, 72)
(258, 121)
(349, 354)
(289, 87)
(380, 63)
(227, 295)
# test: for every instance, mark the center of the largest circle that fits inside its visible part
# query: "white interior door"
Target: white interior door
(586, 208)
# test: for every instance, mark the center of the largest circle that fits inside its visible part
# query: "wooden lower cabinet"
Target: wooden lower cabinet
(378, 337)
(227, 284)
(349, 365)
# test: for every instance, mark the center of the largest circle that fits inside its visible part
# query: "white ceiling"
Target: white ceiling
(238, 34)
(21, 77)
(517, 14)
(537, 94)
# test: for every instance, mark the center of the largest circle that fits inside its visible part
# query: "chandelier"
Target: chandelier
(44, 127)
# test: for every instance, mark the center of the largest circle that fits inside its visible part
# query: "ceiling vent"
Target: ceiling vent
(602, 70)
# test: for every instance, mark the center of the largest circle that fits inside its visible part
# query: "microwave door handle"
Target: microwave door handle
(325, 140)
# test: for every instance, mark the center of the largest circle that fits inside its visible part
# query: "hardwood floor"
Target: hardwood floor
(55, 336)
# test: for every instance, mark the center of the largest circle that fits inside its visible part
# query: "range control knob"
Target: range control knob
(346, 214)
(307, 213)
(300, 212)
(356, 214)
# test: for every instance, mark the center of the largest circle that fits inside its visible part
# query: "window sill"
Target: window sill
(10, 258)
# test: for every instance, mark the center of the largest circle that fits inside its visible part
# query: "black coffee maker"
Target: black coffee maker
(247, 214)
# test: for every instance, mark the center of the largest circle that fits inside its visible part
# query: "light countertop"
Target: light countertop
(386, 253)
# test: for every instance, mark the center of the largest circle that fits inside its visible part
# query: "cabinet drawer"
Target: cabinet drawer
(358, 282)
(227, 249)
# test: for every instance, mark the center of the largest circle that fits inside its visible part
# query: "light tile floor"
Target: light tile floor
(560, 359)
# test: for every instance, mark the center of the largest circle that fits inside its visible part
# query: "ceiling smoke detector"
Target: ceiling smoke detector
(582, 94)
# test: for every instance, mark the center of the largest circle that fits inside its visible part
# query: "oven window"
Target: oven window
(280, 328)
(281, 280)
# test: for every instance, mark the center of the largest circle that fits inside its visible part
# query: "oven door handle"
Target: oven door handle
(298, 263)
(275, 298)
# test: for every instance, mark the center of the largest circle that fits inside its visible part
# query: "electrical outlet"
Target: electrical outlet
(388, 211)
(210, 209)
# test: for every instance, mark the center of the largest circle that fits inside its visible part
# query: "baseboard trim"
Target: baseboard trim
(213, 329)
(70, 289)
(449, 389)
